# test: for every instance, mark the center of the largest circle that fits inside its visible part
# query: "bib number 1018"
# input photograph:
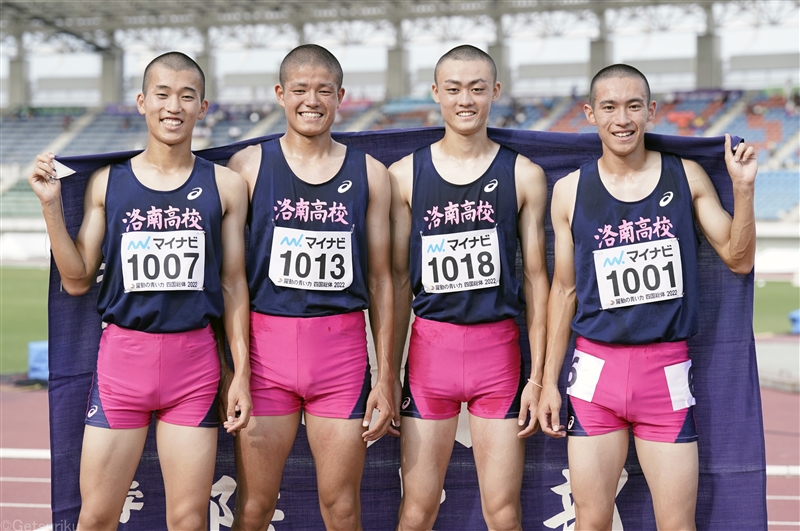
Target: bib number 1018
(460, 261)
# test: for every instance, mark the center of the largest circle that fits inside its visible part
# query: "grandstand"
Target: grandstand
(719, 98)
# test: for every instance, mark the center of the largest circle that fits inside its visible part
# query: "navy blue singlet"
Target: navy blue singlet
(600, 221)
(165, 257)
(281, 199)
(439, 207)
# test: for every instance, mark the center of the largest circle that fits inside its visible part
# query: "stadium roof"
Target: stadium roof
(94, 22)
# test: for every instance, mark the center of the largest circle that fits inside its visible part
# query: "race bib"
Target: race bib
(308, 259)
(639, 273)
(584, 375)
(461, 261)
(679, 382)
(164, 261)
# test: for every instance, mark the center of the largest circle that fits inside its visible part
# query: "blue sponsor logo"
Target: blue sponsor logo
(139, 244)
(294, 242)
(615, 260)
(436, 248)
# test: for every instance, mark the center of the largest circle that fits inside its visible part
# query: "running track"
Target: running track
(25, 464)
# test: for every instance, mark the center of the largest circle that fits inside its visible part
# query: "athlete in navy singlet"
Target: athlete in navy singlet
(460, 208)
(170, 229)
(625, 279)
(318, 256)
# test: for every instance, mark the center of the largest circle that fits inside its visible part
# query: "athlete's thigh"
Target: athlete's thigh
(109, 459)
(339, 452)
(261, 452)
(595, 466)
(499, 458)
(671, 471)
(425, 450)
(187, 455)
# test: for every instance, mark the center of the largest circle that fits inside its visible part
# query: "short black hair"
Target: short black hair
(178, 62)
(314, 55)
(466, 52)
(617, 70)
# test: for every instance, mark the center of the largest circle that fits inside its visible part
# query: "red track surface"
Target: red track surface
(24, 424)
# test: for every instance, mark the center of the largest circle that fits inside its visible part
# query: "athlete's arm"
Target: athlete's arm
(246, 163)
(77, 261)
(734, 240)
(236, 319)
(531, 187)
(401, 174)
(560, 306)
(381, 306)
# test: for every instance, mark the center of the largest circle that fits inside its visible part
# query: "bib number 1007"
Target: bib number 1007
(163, 261)
(460, 261)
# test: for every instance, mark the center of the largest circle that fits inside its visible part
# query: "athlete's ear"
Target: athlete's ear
(435, 92)
(651, 111)
(279, 95)
(496, 91)
(340, 95)
(203, 110)
(140, 103)
(589, 112)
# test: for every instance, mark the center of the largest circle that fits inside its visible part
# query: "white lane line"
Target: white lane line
(25, 505)
(779, 497)
(24, 480)
(793, 524)
(24, 453)
(783, 470)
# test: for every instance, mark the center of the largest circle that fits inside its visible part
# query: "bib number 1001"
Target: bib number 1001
(639, 273)
(651, 278)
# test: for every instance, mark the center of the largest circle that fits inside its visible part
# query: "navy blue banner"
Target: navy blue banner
(732, 493)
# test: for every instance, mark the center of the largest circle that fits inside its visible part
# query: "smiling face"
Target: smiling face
(620, 111)
(310, 95)
(465, 91)
(172, 104)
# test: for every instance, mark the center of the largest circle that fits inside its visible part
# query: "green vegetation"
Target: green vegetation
(23, 312)
(23, 315)
(771, 306)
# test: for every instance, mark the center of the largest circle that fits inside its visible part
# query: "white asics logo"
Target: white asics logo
(406, 402)
(666, 199)
(570, 423)
(491, 186)
(194, 194)
(92, 411)
(344, 187)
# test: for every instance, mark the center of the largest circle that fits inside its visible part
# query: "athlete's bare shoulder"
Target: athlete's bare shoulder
(564, 193)
(97, 185)
(232, 187)
(246, 162)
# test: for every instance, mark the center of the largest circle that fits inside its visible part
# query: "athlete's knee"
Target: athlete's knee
(253, 514)
(341, 512)
(593, 516)
(503, 516)
(416, 516)
(91, 518)
(187, 518)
